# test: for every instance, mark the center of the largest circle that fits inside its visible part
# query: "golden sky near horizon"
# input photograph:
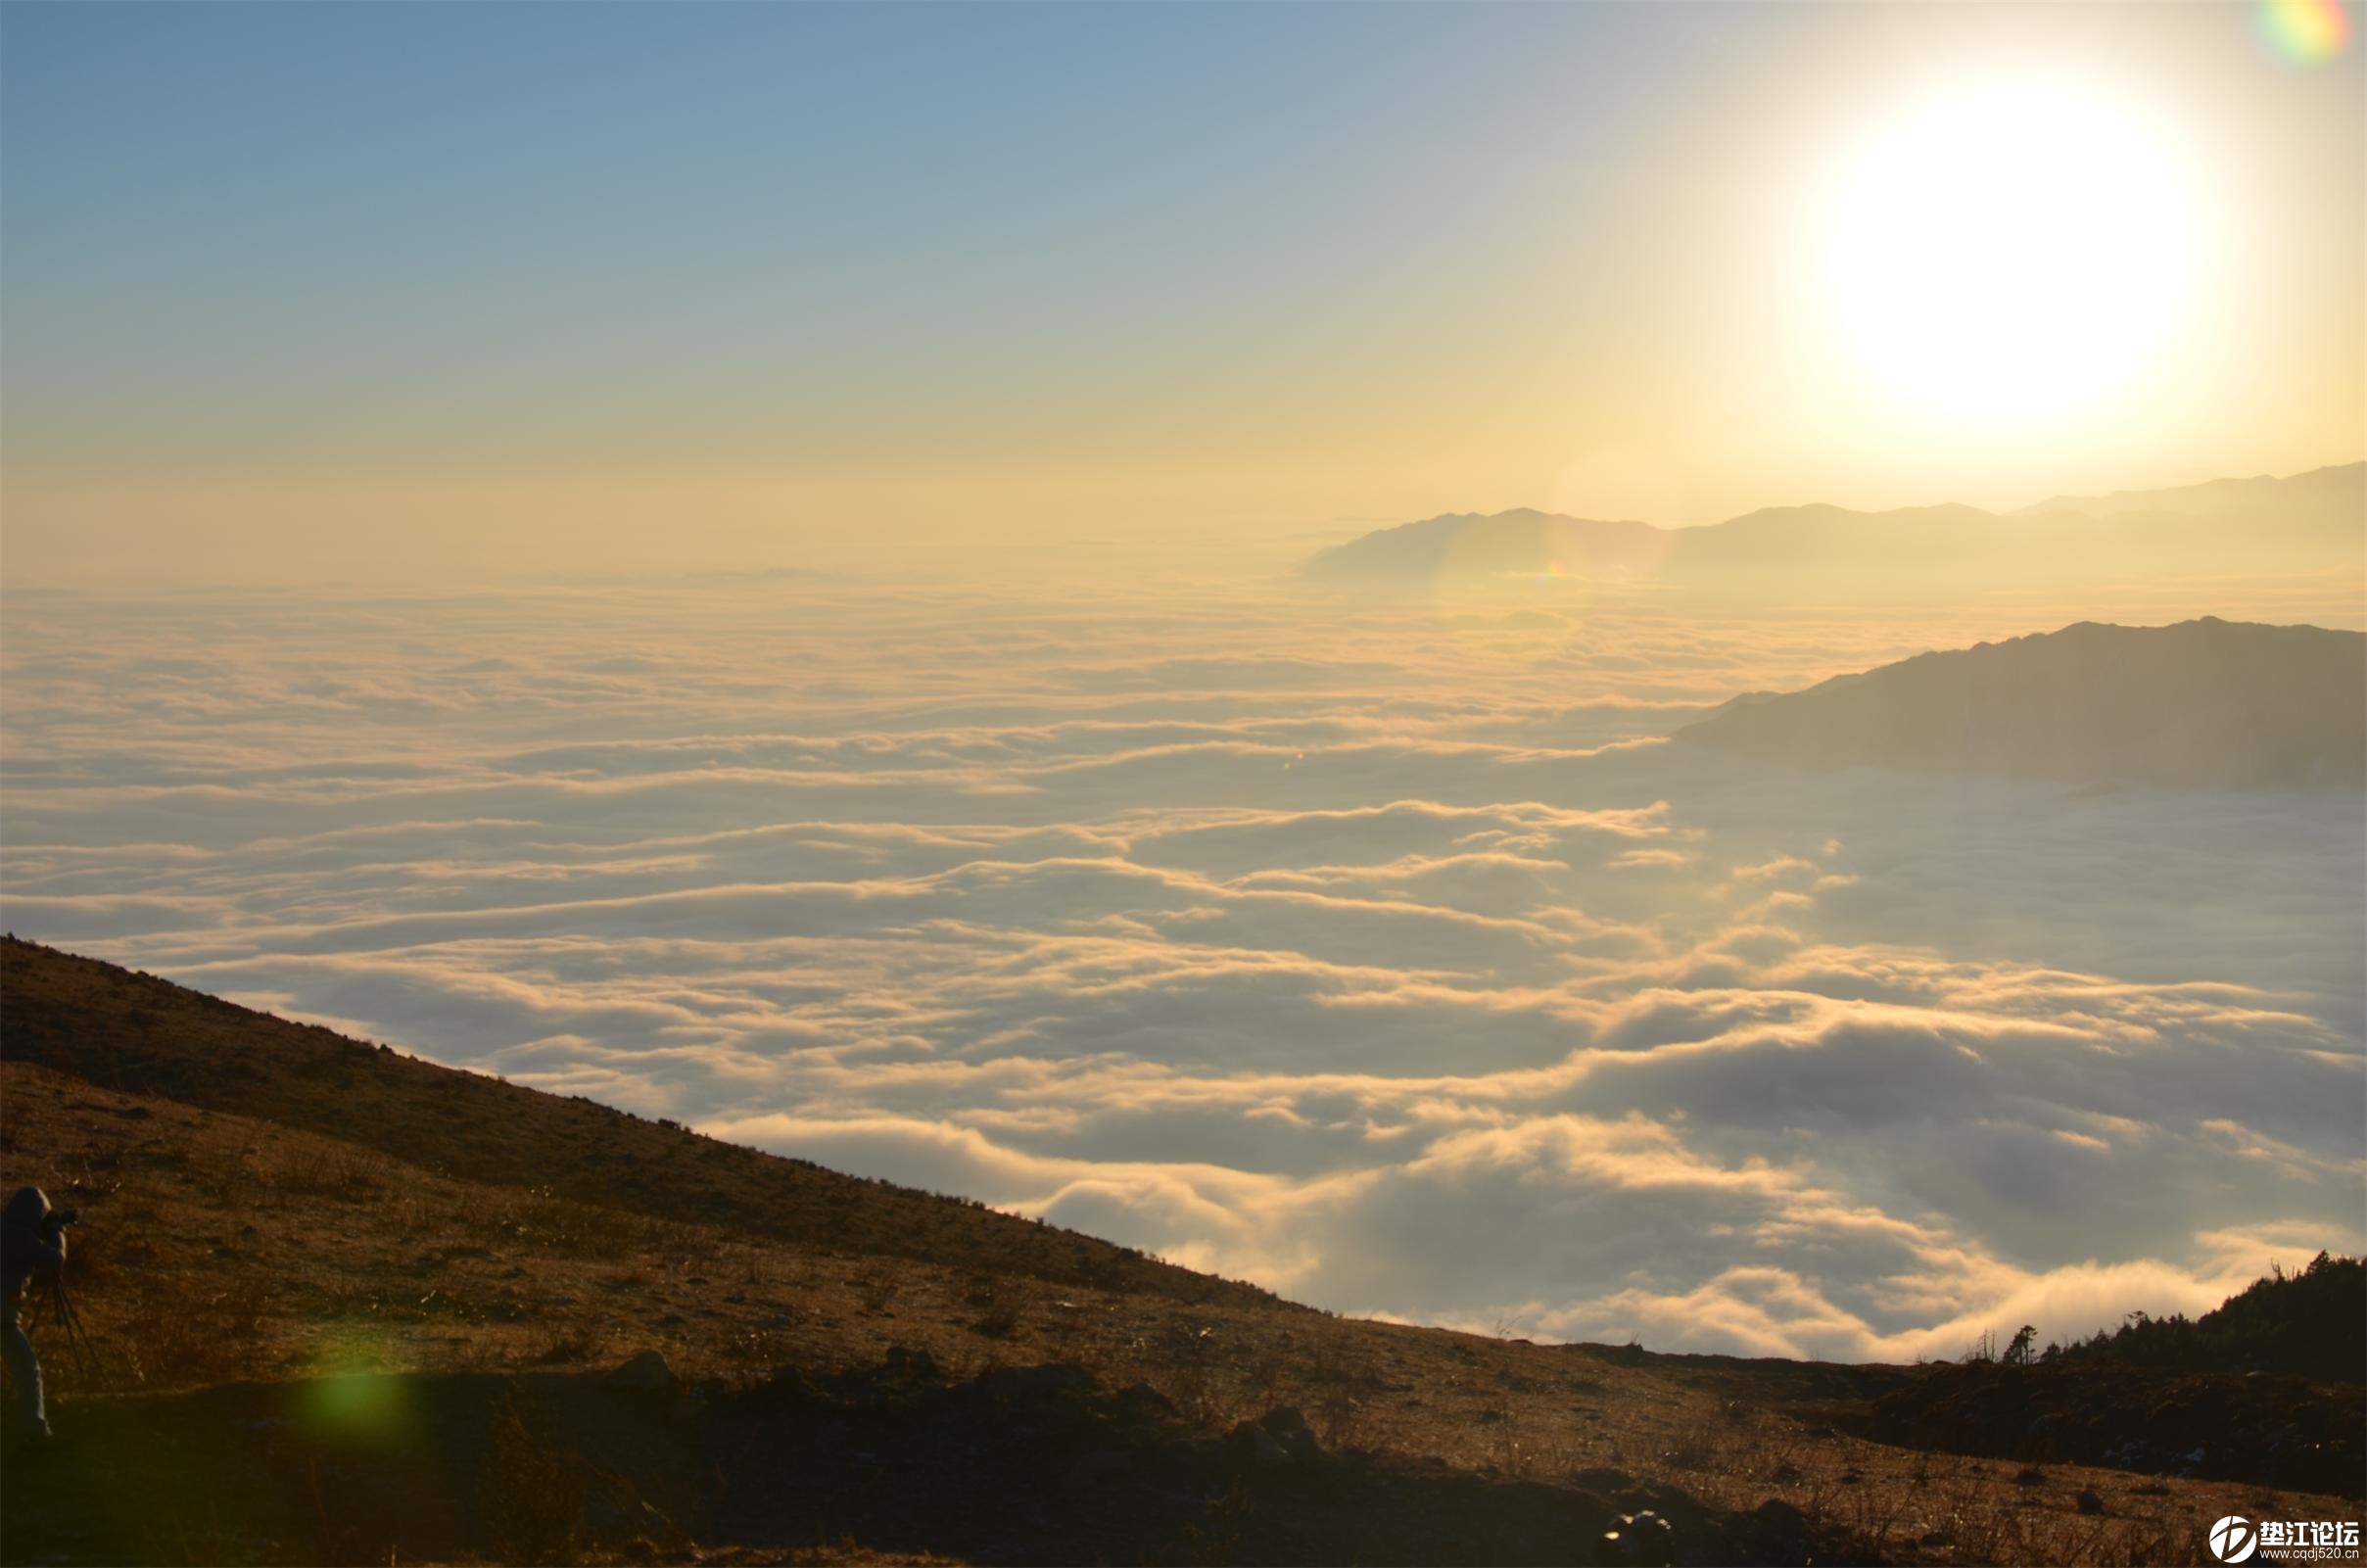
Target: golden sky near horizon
(778, 286)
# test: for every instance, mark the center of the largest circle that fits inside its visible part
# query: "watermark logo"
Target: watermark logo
(2236, 1539)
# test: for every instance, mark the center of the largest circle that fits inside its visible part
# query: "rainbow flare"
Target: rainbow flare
(2305, 30)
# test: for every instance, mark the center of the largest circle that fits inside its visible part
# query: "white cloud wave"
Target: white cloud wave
(1376, 953)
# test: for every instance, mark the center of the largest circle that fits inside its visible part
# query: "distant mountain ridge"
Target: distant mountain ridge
(2205, 704)
(1521, 541)
(2314, 520)
(2338, 486)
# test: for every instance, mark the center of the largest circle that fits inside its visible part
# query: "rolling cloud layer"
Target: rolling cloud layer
(1383, 954)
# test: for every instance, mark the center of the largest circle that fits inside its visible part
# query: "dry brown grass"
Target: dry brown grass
(219, 1245)
(215, 1248)
(144, 1036)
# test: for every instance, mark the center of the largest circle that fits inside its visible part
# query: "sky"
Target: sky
(397, 290)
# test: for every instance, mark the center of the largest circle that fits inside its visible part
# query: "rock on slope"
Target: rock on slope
(2205, 704)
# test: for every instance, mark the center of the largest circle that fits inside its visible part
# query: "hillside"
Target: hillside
(2201, 706)
(144, 1036)
(2301, 1324)
(342, 1305)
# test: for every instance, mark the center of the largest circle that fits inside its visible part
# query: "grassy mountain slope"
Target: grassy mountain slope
(148, 1036)
(339, 1304)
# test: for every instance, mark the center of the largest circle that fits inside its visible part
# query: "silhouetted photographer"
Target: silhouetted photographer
(32, 1248)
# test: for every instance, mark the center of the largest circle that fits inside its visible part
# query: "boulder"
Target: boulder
(1642, 1537)
(645, 1374)
(1036, 1382)
(1253, 1444)
(1146, 1403)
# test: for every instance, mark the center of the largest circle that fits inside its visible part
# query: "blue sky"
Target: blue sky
(1245, 266)
(523, 196)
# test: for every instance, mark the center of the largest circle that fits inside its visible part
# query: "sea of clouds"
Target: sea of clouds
(1378, 952)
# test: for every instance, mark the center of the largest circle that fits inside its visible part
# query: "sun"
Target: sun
(2011, 253)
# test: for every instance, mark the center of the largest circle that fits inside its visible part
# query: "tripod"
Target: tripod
(62, 1312)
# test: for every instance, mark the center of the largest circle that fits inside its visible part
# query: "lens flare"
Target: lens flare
(356, 1392)
(2305, 30)
(356, 1401)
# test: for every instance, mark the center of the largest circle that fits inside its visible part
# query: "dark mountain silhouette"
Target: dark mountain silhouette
(2312, 521)
(2265, 1387)
(2303, 1324)
(2206, 705)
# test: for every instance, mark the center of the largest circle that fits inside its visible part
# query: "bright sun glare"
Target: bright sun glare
(2012, 252)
